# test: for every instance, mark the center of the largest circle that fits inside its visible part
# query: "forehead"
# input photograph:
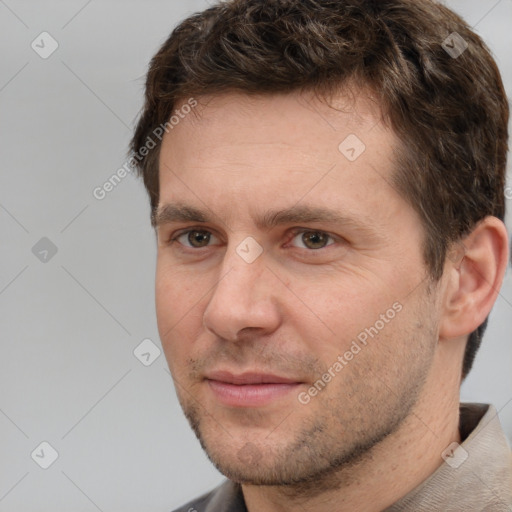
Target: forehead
(300, 127)
(233, 147)
(302, 114)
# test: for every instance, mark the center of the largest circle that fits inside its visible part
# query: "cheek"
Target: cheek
(166, 302)
(337, 314)
(176, 330)
(178, 309)
(176, 292)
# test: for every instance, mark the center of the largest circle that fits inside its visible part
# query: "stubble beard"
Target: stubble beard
(319, 455)
(341, 426)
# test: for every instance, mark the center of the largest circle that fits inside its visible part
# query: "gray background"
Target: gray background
(70, 324)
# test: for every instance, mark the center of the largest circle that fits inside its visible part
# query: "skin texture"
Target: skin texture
(379, 426)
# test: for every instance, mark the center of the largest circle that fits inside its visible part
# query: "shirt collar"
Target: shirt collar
(477, 477)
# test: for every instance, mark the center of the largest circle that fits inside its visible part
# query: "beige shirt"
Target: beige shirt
(475, 477)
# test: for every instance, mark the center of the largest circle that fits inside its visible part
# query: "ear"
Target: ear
(474, 279)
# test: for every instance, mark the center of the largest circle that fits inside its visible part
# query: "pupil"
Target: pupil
(198, 238)
(315, 239)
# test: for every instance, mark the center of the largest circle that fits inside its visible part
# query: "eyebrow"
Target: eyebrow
(298, 214)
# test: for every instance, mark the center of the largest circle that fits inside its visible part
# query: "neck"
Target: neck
(386, 473)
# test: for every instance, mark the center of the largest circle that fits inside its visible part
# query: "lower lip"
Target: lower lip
(249, 395)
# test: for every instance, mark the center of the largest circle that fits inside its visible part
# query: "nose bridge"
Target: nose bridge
(243, 295)
(242, 278)
(243, 266)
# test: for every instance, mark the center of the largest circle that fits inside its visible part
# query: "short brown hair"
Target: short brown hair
(449, 111)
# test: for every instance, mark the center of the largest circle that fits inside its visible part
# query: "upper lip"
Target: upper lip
(249, 378)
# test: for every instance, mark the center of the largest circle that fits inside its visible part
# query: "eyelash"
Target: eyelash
(295, 232)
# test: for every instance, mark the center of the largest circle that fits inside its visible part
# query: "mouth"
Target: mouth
(251, 389)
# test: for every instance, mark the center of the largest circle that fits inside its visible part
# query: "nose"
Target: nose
(244, 301)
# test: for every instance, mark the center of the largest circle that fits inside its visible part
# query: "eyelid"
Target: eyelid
(173, 237)
(298, 231)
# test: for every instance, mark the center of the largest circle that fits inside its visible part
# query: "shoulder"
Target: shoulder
(197, 505)
(227, 497)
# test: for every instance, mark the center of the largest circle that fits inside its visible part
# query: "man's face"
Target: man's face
(295, 316)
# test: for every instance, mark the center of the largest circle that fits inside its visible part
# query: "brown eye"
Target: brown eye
(198, 238)
(314, 239)
(194, 239)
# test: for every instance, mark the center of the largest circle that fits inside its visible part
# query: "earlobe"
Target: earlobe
(473, 281)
